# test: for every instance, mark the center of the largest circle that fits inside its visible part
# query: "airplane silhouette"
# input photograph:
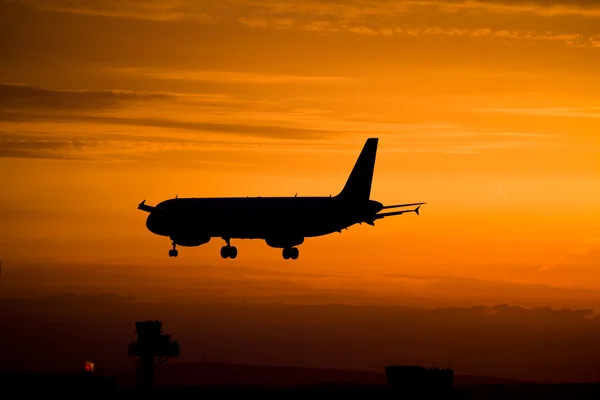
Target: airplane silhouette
(283, 222)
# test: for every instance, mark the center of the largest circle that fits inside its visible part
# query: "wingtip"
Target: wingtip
(142, 203)
(417, 210)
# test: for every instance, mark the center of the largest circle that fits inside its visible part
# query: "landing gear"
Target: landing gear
(228, 251)
(290, 252)
(173, 252)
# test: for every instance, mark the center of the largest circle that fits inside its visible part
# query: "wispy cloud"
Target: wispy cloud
(575, 112)
(497, 286)
(575, 39)
(16, 96)
(588, 8)
(228, 76)
(63, 124)
(45, 149)
(268, 131)
(181, 9)
(501, 20)
(411, 30)
(157, 10)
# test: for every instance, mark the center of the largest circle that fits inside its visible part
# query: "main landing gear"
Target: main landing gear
(228, 251)
(173, 252)
(290, 252)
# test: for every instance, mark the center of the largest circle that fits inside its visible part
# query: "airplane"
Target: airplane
(282, 222)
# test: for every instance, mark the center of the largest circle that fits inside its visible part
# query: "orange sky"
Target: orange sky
(486, 110)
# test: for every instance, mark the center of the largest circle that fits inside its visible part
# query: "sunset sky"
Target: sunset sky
(486, 110)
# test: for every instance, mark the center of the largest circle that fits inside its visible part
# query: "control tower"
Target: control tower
(151, 343)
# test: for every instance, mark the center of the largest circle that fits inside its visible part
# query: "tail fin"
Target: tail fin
(358, 185)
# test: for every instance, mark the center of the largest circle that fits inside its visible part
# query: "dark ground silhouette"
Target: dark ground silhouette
(202, 379)
(60, 333)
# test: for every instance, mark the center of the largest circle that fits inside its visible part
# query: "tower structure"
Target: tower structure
(415, 380)
(151, 349)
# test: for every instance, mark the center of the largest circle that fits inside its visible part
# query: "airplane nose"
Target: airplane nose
(153, 224)
(149, 223)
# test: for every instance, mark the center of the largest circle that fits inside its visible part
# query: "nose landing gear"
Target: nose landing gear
(173, 252)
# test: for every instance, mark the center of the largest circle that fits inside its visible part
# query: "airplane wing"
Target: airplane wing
(142, 206)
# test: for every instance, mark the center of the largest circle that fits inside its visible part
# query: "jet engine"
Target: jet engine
(283, 242)
(190, 241)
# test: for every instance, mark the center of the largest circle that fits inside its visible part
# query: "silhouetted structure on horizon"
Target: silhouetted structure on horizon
(151, 343)
(413, 379)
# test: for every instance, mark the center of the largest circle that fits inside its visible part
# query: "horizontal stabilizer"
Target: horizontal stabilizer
(402, 205)
(390, 214)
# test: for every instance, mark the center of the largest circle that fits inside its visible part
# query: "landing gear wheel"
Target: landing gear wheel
(229, 252)
(286, 253)
(294, 253)
(224, 252)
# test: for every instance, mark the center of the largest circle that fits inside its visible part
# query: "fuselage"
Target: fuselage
(282, 222)
(285, 219)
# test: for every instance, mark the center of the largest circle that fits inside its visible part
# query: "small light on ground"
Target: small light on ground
(88, 366)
